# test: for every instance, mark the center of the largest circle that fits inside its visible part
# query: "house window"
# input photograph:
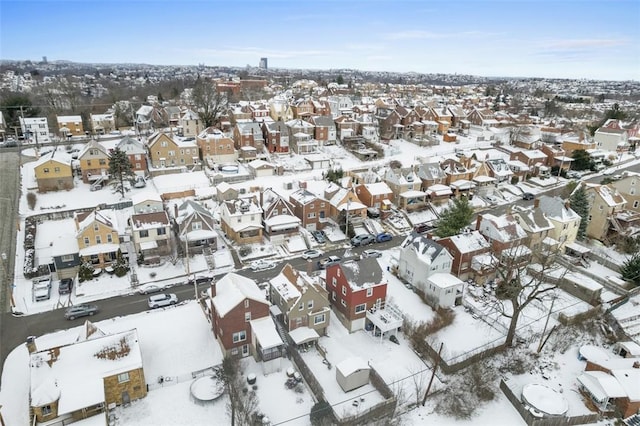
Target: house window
(247, 316)
(343, 303)
(245, 350)
(333, 295)
(319, 319)
(96, 227)
(369, 291)
(161, 231)
(334, 281)
(98, 239)
(102, 162)
(632, 191)
(344, 290)
(240, 336)
(67, 258)
(234, 351)
(86, 241)
(144, 233)
(163, 143)
(57, 170)
(310, 304)
(195, 226)
(46, 410)
(45, 170)
(635, 204)
(109, 238)
(311, 215)
(246, 303)
(361, 308)
(301, 306)
(123, 377)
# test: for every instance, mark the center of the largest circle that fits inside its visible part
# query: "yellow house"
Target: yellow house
(70, 125)
(97, 236)
(82, 379)
(94, 162)
(53, 172)
(604, 202)
(565, 221)
(166, 151)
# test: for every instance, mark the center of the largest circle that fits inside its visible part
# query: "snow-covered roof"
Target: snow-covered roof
(468, 242)
(265, 332)
(601, 385)
(362, 274)
(57, 156)
(232, 289)
(75, 372)
(444, 280)
(303, 334)
(99, 248)
(557, 209)
(64, 244)
(351, 365)
(145, 196)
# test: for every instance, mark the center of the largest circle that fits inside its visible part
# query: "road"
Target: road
(18, 328)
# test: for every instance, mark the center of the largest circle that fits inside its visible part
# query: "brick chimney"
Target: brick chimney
(31, 344)
(536, 203)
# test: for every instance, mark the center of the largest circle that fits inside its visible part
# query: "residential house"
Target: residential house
(144, 115)
(566, 222)
(389, 123)
(629, 187)
(70, 125)
(103, 124)
(340, 105)
(66, 255)
(469, 250)
(302, 108)
(267, 345)
(146, 202)
(97, 234)
(235, 302)
(456, 170)
(151, 234)
(172, 114)
(85, 378)
(346, 127)
(345, 203)
(537, 226)
(261, 168)
(136, 152)
(53, 172)
(426, 266)
(612, 137)
(301, 136)
(321, 107)
(248, 135)
(280, 109)
(196, 227)
(278, 218)
(241, 220)
(534, 159)
(556, 157)
(324, 130)
(508, 240)
(401, 180)
(430, 173)
(577, 143)
(302, 302)
(276, 136)
(165, 151)
(604, 203)
(310, 209)
(377, 195)
(216, 147)
(482, 117)
(35, 129)
(354, 288)
(189, 123)
(226, 192)
(441, 116)
(94, 162)
(499, 169)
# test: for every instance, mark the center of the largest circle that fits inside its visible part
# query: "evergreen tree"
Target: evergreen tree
(580, 205)
(454, 218)
(630, 269)
(581, 160)
(120, 170)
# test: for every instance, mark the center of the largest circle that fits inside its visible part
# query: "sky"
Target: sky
(544, 38)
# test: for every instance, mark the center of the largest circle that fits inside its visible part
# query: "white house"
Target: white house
(35, 129)
(146, 202)
(426, 265)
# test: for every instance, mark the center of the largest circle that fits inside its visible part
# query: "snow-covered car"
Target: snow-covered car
(160, 300)
(150, 288)
(311, 254)
(328, 261)
(80, 311)
(370, 253)
(262, 265)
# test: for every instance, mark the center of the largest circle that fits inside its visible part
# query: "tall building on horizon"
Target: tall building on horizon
(263, 64)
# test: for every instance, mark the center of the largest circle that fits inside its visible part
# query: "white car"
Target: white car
(262, 265)
(370, 253)
(311, 254)
(160, 300)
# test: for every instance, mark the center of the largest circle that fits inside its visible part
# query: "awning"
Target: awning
(148, 245)
(303, 335)
(577, 248)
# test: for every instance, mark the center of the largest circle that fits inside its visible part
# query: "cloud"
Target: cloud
(430, 35)
(257, 52)
(585, 43)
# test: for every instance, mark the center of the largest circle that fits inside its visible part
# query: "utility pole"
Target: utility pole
(435, 367)
(546, 323)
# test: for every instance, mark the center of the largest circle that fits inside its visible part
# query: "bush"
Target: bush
(31, 200)
(85, 272)
(320, 414)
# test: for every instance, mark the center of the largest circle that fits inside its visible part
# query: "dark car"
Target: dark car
(80, 311)
(384, 236)
(528, 196)
(421, 228)
(65, 286)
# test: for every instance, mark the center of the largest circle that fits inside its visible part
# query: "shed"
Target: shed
(352, 373)
(627, 349)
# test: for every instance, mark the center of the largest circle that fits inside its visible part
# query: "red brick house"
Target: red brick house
(355, 287)
(276, 136)
(310, 209)
(235, 301)
(374, 194)
(469, 250)
(303, 108)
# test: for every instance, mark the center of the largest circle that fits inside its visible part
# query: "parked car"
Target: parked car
(572, 174)
(139, 182)
(160, 300)
(616, 177)
(383, 236)
(362, 240)
(328, 261)
(262, 265)
(311, 254)
(151, 288)
(319, 236)
(41, 288)
(421, 228)
(528, 196)
(370, 253)
(65, 286)
(373, 212)
(80, 311)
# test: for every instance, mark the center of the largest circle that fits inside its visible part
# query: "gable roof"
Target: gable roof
(425, 248)
(232, 289)
(556, 208)
(363, 273)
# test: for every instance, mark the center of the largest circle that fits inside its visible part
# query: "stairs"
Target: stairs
(208, 257)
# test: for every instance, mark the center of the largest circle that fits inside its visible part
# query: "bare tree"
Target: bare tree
(243, 402)
(520, 282)
(210, 103)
